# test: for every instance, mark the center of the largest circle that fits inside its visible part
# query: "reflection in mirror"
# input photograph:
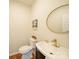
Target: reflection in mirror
(58, 20)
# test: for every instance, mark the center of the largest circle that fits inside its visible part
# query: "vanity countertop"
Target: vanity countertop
(52, 52)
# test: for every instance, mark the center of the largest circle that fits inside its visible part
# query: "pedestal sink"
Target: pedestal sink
(52, 52)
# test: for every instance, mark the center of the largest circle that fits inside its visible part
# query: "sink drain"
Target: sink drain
(51, 53)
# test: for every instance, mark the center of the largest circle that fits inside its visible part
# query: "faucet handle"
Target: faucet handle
(54, 40)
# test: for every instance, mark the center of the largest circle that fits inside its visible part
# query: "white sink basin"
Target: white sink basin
(52, 52)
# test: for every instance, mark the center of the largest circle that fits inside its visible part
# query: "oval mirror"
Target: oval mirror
(58, 20)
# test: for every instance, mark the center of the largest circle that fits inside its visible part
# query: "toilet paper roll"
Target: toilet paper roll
(33, 42)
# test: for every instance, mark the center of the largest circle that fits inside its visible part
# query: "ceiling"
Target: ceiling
(27, 2)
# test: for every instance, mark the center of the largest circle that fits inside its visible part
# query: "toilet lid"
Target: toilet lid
(25, 49)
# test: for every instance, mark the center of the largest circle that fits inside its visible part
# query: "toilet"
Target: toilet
(26, 52)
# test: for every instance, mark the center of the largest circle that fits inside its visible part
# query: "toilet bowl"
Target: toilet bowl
(26, 52)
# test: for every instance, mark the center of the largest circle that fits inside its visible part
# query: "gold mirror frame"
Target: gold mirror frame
(50, 14)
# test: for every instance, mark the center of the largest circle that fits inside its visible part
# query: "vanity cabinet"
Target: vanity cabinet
(39, 55)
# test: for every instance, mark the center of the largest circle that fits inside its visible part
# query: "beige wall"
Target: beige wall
(20, 25)
(40, 11)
